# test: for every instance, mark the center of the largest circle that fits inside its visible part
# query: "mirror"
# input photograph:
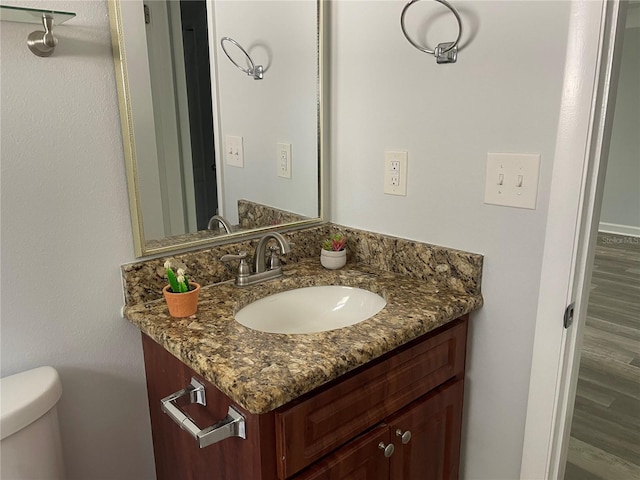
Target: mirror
(213, 152)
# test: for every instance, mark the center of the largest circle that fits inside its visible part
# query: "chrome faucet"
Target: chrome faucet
(261, 252)
(263, 269)
(219, 219)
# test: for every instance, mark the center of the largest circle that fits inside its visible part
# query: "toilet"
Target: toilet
(30, 448)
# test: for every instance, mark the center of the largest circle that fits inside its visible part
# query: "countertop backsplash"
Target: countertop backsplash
(455, 270)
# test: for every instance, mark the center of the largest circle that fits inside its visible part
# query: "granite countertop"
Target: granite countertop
(262, 371)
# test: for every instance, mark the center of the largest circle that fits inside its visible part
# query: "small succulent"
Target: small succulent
(178, 279)
(334, 243)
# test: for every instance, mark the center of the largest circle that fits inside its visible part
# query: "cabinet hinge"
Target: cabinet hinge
(568, 315)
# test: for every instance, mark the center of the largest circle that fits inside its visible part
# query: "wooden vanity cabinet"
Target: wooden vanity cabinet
(432, 451)
(435, 422)
(360, 459)
(333, 432)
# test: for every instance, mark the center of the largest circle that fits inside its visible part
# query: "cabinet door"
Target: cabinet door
(314, 426)
(360, 459)
(435, 421)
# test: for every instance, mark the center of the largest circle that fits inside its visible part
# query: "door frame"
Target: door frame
(584, 131)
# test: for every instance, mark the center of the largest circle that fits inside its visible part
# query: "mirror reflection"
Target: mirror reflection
(211, 148)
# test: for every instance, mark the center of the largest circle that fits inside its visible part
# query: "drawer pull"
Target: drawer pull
(405, 437)
(231, 426)
(387, 449)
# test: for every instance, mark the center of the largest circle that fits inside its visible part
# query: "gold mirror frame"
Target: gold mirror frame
(126, 120)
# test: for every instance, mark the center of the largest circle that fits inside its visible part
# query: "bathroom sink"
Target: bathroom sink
(311, 309)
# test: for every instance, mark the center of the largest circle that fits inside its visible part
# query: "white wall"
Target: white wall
(65, 213)
(501, 96)
(65, 232)
(621, 200)
(280, 108)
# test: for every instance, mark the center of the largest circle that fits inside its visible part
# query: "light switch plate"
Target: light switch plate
(395, 172)
(233, 151)
(512, 179)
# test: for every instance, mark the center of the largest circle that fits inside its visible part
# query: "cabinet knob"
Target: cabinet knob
(387, 449)
(404, 436)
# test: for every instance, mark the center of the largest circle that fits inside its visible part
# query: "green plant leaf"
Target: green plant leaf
(173, 281)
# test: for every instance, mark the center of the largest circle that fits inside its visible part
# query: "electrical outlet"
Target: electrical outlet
(512, 180)
(233, 151)
(283, 160)
(395, 172)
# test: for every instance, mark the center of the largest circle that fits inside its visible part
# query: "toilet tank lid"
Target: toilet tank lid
(27, 396)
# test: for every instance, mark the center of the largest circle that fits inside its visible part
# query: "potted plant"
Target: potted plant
(181, 295)
(334, 252)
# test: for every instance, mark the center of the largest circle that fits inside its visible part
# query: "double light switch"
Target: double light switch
(234, 151)
(512, 179)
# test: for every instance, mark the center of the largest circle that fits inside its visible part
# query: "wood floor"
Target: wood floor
(605, 434)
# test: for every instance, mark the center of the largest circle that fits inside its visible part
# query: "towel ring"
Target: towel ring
(255, 71)
(446, 52)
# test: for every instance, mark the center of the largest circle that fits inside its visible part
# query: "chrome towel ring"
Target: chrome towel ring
(446, 52)
(255, 71)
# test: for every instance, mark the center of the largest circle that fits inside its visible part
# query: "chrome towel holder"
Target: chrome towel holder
(446, 52)
(233, 425)
(255, 71)
(41, 43)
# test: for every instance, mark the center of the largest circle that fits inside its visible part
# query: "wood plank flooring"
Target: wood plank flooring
(605, 433)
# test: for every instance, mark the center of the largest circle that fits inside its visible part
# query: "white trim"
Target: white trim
(616, 229)
(164, 103)
(593, 190)
(574, 206)
(559, 254)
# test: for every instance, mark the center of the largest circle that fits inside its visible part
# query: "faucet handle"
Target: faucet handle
(229, 256)
(243, 269)
(273, 261)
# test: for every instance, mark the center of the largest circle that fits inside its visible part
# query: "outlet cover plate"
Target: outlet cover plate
(395, 172)
(283, 160)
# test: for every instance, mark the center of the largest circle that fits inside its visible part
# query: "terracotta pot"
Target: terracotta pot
(333, 260)
(182, 304)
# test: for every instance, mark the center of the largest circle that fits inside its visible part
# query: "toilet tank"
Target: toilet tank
(30, 448)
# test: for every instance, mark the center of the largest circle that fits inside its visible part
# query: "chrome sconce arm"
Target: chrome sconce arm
(255, 71)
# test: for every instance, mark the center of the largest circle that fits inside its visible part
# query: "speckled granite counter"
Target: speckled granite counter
(262, 371)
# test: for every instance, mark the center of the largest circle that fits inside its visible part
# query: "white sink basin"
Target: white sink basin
(311, 309)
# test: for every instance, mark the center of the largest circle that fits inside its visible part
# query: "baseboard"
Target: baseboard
(619, 229)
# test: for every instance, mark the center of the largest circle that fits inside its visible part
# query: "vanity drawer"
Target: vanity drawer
(326, 419)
